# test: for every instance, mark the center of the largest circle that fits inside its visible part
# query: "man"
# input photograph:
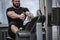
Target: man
(16, 16)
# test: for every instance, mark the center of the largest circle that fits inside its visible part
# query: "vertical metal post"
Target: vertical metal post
(39, 31)
(54, 32)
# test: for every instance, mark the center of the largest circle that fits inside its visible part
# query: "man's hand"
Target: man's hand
(30, 16)
(22, 16)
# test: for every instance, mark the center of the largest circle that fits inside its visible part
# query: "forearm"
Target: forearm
(13, 15)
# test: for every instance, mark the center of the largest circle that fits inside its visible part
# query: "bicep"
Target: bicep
(12, 14)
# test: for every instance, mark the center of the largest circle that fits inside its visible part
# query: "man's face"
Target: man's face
(16, 3)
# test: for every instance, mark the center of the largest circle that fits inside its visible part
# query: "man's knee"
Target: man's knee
(14, 28)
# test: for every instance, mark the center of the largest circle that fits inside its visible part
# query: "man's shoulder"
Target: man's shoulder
(9, 8)
(24, 9)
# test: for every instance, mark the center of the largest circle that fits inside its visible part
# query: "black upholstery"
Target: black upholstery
(32, 23)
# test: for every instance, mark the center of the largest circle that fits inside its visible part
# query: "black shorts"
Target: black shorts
(11, 34)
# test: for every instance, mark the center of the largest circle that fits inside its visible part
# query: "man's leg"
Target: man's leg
(14, 28)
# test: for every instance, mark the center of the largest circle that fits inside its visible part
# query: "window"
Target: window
(55, 3)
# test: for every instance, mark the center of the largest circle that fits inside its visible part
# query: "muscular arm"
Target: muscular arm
(13, 15)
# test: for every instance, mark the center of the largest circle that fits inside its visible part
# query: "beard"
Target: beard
(16, 6)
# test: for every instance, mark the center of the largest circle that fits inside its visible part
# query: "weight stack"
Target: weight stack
(23, 35)
(56, 16)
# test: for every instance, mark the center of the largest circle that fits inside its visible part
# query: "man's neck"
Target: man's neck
(15, 7)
